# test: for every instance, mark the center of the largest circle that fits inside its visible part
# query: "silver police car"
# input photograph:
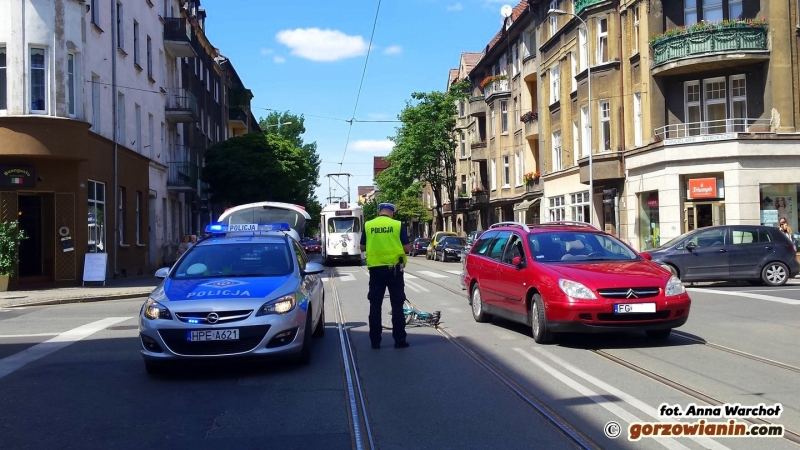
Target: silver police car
(246, 291)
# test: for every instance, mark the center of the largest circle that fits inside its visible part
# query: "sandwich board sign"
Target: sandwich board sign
(94, 267)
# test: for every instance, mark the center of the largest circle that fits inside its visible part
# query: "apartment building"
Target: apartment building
(240, 115)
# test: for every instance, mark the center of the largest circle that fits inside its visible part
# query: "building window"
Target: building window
(149, 57)
(557, 210)
(574, 71)
(602, 41)
(555, 84)
(515, 59)
(491, 116)
(637, 119)
(605, 124)
(463, 184)
(504, 116)
(586, 142)
(163, 147)
(37, 80)
(553, 19)
(689, 12)
(70, 85)
(584, 48)
(3, 82)
(121, 118)
(138, 118)
(575, 143)
(120, 29)
(712, 10)
(461, 108)
(739, 103)
(649, 226)
(635, 45)
(515, 114)
(692, 113)
(463, 145)
(556, 151)
(493, 175)
(735, 9)
(518, 168)
(139, 218)
(506, 171)
(95, 12)
(716, 104)
(136, 59)
(95, 103)
(97, 208)
(121, 218)
(579, 206)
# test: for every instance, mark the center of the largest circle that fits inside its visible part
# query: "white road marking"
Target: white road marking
(631, 400)
(9, 336)
(456, 310)
(768, 298)
(408, 276)
(412, 287)
(597, 398)
(346, 277)
(418, 287)
(454, 272)
(431, 274)
(11, 364)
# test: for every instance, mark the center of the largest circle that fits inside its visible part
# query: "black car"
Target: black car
(419, 246)
(754, 253)
(449, 248)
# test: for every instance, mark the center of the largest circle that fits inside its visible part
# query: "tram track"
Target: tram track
(789, 435)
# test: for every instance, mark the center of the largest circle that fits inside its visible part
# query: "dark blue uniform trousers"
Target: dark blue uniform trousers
(380, 278)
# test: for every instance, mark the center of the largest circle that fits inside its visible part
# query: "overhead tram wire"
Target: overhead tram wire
(361, 83)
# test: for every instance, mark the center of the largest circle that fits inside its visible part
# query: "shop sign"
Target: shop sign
(702, 188)
(17, 176)
(652, 202)
(701, 138)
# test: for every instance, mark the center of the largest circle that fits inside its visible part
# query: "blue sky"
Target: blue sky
(307, 57)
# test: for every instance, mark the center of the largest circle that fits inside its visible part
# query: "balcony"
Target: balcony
(478, 151)
(498, 87)
(531, 125)
(181, 106)
(182, 176)
(477, 107)
(479, 199)
(534, 186)
(709, 46)
(580, 5)
(179, 38)
(606, 167)
(237, 119)
(710, 130)
(529, 69)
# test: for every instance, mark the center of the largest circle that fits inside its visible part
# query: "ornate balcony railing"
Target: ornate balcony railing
(709, 38)
(580, 5)
(497, 87)
(479, 198)
(713, 129)
(182, 175)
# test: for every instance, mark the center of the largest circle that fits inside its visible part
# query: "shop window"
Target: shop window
(579, 206)
(778, 201)
(649, 226)
(97, 206)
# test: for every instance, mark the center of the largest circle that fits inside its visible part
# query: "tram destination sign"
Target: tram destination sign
(17, 176)
(344, 213)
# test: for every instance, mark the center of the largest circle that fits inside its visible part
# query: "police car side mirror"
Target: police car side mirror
(313, 268)
(162, 272)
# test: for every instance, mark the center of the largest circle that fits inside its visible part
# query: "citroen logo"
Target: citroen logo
(214, 317)
(631, 294)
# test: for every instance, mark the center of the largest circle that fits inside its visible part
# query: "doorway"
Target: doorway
(31, 263)
(700, 215)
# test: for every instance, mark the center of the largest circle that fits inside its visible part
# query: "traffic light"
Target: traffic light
(609, 195)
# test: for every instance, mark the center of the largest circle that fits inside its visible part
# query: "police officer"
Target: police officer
(386, 242)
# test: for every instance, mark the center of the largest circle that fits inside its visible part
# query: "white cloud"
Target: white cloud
(393, 50)
(322, 45)
(279, 59)
(266, 51)
(367, 145)
(456, 7)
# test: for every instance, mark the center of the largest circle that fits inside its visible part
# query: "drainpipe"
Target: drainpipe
(115, 243)
(621, 114)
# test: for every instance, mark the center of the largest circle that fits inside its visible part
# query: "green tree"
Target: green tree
(425, 146)
(294, 133)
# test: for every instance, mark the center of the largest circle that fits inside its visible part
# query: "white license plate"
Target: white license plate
(628, 308)
(212, 335)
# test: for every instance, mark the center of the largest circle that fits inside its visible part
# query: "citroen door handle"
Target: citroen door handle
(769, 247)
(722, 250)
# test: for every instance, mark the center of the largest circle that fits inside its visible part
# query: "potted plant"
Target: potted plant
(478, 190)
(529, 116)
(531, 177)
(10, 238)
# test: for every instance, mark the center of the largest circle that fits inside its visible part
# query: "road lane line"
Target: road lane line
(431, 274)
(631, 400)
(768, 298)
(11, 364)
(597, 398)
(454, 272)
(417, 286)
(408, 276)
(8, 336)
(411, 286)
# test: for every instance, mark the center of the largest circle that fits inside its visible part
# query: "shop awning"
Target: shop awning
(523, 206)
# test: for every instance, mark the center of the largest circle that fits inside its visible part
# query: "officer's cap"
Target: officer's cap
(388, 206)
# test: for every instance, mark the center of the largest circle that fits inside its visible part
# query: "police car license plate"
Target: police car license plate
(243, 227)
(212, 335)
(630, 308)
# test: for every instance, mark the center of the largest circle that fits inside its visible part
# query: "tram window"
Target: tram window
(344, 225)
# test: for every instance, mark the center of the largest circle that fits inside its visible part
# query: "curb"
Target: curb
(65, 301)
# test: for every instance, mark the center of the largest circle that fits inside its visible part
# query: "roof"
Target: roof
(452, 77)
(470, 59)
(515, 13)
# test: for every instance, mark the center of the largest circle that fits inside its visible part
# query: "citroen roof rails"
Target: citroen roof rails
(510, 224)
(569, 223)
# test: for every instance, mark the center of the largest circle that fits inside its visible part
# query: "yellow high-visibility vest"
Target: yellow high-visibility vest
(383, 242)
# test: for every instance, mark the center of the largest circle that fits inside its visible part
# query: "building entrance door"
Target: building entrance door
(700, 215)
(30, 249)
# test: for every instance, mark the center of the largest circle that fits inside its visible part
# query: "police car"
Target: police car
(243, 293)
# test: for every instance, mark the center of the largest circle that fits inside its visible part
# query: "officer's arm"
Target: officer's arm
(404, 239)
(363, 242)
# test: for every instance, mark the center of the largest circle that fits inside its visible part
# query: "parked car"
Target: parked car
(570, 277)
(449, 248)
(435, 240)
(420, 245)
(312, 246)
(471, 238)
(755, 253)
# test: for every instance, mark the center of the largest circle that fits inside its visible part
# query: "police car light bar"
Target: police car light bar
(225, 228)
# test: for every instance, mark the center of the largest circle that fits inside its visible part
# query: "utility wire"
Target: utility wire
(361, 84)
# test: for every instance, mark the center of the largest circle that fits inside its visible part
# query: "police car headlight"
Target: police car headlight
(154, 310)
(280, 305)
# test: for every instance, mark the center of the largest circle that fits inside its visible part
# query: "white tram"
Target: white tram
(341, 225)
(268, 212)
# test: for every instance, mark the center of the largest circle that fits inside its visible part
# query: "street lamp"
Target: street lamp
(589, 90)
(279, 125)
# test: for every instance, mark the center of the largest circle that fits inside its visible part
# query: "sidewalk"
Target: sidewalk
(123, 288)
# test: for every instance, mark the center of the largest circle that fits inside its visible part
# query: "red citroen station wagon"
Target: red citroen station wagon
(570, 277)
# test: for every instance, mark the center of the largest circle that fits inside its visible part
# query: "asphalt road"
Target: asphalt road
(71, 377)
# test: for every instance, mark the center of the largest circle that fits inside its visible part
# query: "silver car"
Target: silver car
(243, 294)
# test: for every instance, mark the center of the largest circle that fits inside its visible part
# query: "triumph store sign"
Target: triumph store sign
(700, 188)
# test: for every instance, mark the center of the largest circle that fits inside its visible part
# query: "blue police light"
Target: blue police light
(275, 226)
(194, 321)
(216, 228)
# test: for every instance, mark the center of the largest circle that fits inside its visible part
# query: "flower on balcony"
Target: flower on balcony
(531, 176)
(529, 116)
(491, 79)
(708, 26)
(478, 190)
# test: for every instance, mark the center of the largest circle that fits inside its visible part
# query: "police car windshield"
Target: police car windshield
(245, 259)
(268, 214)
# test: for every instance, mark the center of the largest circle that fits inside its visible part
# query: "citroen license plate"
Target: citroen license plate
(629, 308)
(212, 335)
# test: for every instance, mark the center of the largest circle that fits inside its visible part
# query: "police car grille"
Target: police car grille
(224, 316)
(249, 338)
(629, 293)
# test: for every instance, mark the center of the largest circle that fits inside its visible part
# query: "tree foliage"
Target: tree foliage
(11, 235)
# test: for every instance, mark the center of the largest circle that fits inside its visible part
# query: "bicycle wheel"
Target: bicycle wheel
(386, 313)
